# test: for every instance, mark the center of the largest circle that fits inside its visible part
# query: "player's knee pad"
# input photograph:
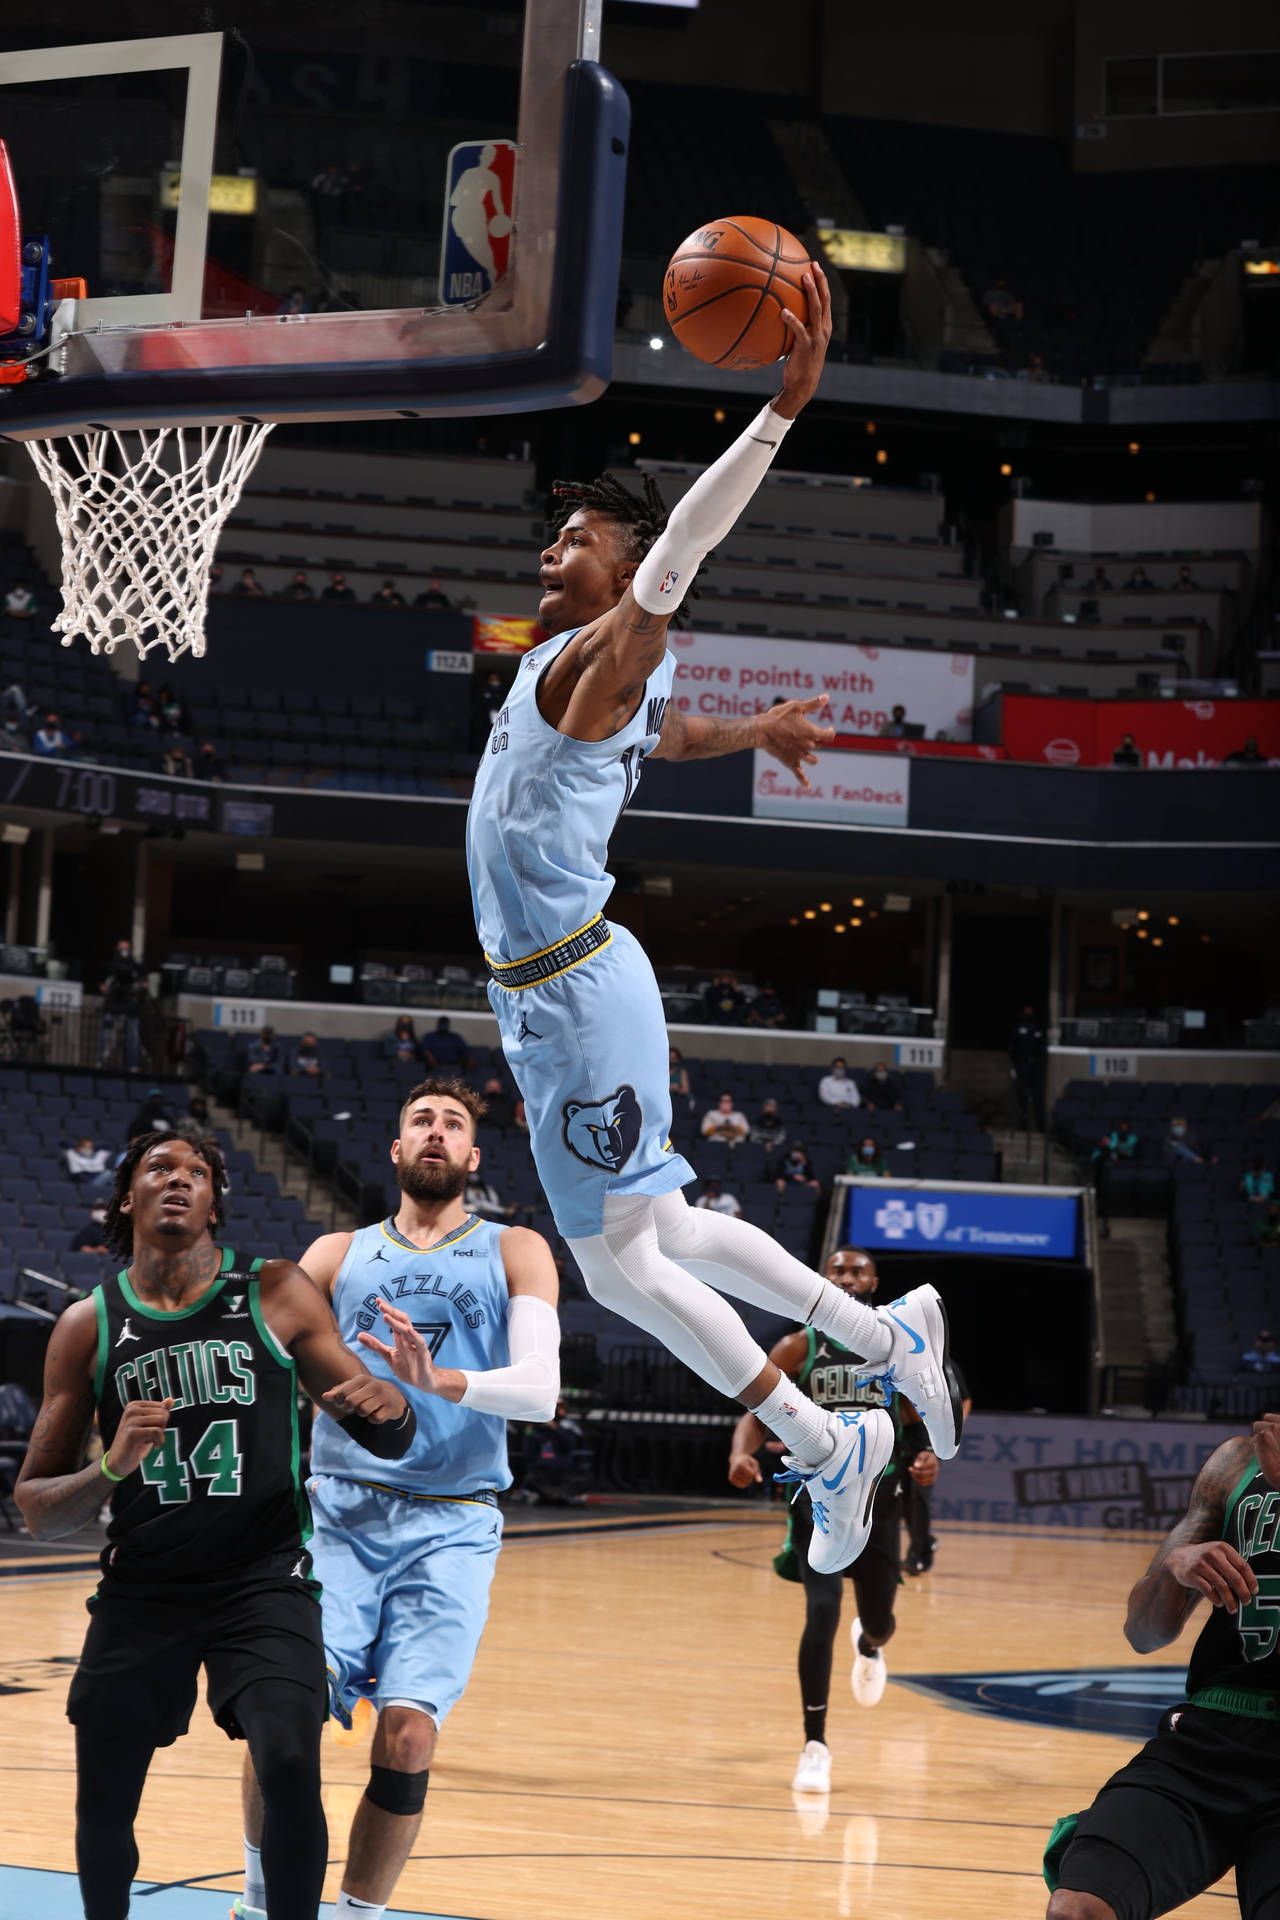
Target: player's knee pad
(395, 1792)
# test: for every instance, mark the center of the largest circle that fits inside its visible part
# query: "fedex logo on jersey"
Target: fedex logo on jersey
(479, 206)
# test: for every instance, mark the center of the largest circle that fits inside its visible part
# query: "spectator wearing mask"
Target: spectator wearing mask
(479, 1197)
(196, 1124)
(796, 1170)
(388, 595)
(1262, 1356)
(123, 992)
(1099, 580)
(768, 1129)
(1258, 1183)
(500, 1107)
(1026, 1062)
(1138, 582)
(299, 588)
(88, 1167)
(178, 763)
(766, 1010)
(248, 586)
(175, 716)
(49, 739)
(882, 1092)
(867, 1158)
(837, 1087)
(895, 727)
(337, 588)
(1186, 581)
(1249, 755)
(155, 1115)
(433, 598)
(208, 766)
(725, 1002)
(725, 1122)
(92, 1237)
(402, 1041)
(264, 1052)
(306, 1059)
(444, 1050)
(1120, 1144)
(1266, 1228)
(1179, 1144)
(681, 1091)
(20, 602)
(145, 717)
(1127, 753)
(715, 1200)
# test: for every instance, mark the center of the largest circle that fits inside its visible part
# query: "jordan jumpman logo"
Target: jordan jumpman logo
(526, 1031)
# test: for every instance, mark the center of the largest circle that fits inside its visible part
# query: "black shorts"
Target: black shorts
(876, 1573)
(145, 1646)
(1202, 1796)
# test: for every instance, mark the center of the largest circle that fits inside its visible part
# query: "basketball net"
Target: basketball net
(139, 513)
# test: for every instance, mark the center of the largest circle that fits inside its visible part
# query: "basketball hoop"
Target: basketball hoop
(139, 513)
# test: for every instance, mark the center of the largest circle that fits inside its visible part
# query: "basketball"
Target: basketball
(725, 289)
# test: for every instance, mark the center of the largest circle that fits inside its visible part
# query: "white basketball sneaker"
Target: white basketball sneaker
(813, 1775)
(841, 1490)
(919, 1365)
(870, 1674)
(241, 1911)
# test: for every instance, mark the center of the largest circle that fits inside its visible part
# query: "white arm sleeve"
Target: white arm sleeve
(707, 513)
(529, 1388)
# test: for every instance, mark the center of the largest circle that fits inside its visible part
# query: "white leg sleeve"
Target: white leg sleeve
(625, 1269)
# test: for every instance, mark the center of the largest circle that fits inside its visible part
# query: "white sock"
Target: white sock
(348, 1905)
(794, 1418)
(852, 1323)
(255, 1887)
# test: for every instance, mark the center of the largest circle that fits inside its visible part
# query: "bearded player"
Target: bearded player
(577, 1004)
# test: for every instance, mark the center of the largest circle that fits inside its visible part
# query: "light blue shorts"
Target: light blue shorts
(589, 1054)
(406, 1592)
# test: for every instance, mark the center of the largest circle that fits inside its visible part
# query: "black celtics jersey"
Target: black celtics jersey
(225, 1488)
(839, 1382)
(1238, 1654)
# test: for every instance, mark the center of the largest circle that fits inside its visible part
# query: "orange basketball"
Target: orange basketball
(726, 286)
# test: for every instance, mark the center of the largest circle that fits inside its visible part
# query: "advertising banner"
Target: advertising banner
(850, 789)
(726, 676)
(1167, 733)
(504, 633)
(1037, 1470)
(947, 1219)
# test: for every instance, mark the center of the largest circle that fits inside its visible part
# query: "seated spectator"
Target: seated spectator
(248, 586)
(196, 1124)
(998, 303)
(175, 715)
(388, 595)
(680, 1089)
(882, 1090)
(92, 1236)
(1249, 755)
(1266, 1228)
(88, 1166)
(725, 1122)
(768, 1129)
(306, 1058)
(895, 727)
(217, 583)
(1099, 580)
(295, 301)
(1179, 1145)
(337, 588)
(1120, 1144)
(20, 602)
(868, 1158)
(402, 1042)
(434, 598)
(264, 1052)
(444, 1050)
(145, 713)
(1258, 1184)
(207, 765)
(155, 1115)
(724, 1001)
(500, 1108)
(796, 1170)
(552, 1473)
(715, 1200)
(49, 739)
(177, 762)
(1186, 581)
(1127, 754)
(838, 1088)
(766, 1010)
(16, 710)
(1262, 1356)
(1138, 581)
(479, 1197)
(299, 588)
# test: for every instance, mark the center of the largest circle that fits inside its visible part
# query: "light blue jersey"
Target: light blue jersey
(456, 1295)
(577, 1005)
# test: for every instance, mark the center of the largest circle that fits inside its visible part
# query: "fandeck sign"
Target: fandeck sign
(1169, 734)
(848, 789)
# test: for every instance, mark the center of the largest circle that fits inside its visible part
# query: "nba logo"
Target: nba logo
(668, 582)
(479, 204)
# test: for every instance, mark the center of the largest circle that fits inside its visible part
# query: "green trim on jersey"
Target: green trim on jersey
(1246, 1479)
(284, 1359)
(1238, 1700)
(178, 1313)
(100, 1371)
(269, 1341)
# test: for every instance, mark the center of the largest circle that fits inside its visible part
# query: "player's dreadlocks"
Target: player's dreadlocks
(642, 516)
(118, 1226)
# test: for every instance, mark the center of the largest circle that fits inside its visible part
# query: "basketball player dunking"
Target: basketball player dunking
(576, 1001)
(191, 1359)
(817, 1362)
(406, 1555)
(1204, 1794)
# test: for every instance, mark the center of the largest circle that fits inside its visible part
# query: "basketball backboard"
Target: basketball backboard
(257, 211)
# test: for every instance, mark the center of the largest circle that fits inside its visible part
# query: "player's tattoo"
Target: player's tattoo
(683, 738)
(1159, 1605)
(58, 1506)
(174, 1274)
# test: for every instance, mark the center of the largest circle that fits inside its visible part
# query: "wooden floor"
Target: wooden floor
(627, 1743)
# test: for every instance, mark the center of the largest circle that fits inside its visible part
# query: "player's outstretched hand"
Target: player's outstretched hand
(373, 1399)
(1216, 1570)
(744, 1470)
(807, 352)
(140, 1432)
(1266, 1443)
(408, 1355)
(787, 732)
